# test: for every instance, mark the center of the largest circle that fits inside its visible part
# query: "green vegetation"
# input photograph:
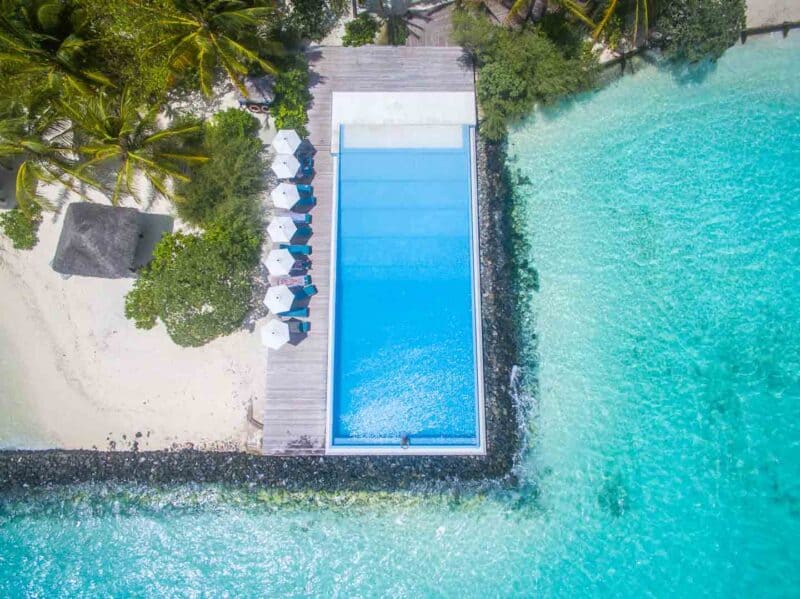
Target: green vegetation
(200, 285)
(313, 19)
(234, 171)
(697, 29)
(85, 88)
(519, 69)
(361, 30)
(202, 35)
(127, 141)
(22, 227)
(292, 98)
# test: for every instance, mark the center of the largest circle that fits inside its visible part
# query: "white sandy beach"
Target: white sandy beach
(772, 12)
(76, 374)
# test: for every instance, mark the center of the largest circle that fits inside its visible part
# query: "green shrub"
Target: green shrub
(361, 30)
(697, 29)
(22, 227)
(314, 19)
(291, 99)
(200, 286)
(235, 169)
(518, 69)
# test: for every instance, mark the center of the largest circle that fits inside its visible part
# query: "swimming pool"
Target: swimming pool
(405, 320)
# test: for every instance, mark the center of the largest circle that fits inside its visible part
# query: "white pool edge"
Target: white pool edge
(477, 318)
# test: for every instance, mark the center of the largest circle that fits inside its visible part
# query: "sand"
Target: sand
(772, 12)
(76, 374)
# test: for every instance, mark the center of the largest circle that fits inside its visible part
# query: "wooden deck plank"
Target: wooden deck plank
(297, 375)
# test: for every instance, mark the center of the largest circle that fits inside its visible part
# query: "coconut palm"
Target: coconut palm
(208, 33)
(521, 10)
(117, 136)
(397, 17)
(41, 151)
(42, 43)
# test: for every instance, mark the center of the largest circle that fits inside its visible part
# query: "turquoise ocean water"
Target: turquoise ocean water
(663, 216)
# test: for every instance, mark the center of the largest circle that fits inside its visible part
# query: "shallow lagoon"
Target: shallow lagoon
(663, 217)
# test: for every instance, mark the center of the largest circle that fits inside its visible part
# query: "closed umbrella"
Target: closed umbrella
(279, 299)
(285, 166)
(279, 262)
(282, 229)
(275, 334)
(285, 196)
(286, 141)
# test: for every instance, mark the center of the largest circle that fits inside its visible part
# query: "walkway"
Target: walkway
(297, 376)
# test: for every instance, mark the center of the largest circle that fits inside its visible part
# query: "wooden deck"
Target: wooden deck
(297, 375)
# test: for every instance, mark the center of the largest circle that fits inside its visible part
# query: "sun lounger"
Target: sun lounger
(297, 249)
(298, 312)
(307, 201)
(307, 166)
(305, 190)
(305, 327)
(290, 281)
(310, 290)
(300, 218)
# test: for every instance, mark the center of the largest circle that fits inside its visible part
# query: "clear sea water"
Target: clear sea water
(663, 215)
(404, 345)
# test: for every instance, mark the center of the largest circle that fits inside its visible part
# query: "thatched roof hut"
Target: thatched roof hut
(98, 241)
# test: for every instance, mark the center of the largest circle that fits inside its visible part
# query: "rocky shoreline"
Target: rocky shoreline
(20, 469)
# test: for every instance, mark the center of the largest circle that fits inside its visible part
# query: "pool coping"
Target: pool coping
(477, 321)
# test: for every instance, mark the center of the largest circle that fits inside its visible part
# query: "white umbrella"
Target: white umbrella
(282, 229)
(279, 299)
(285, 166)
(285, 195)
(279, 262)
(286, 141)
(275, 334)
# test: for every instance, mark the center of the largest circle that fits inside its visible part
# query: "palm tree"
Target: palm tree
(116, 134)
(207, 33)
(41, 150)
(42, 44)
(397, 17)
(521, 10)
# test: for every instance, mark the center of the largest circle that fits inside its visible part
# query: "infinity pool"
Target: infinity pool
(404, 330)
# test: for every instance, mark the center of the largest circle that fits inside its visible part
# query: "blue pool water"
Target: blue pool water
(663, 218)
(404, 353)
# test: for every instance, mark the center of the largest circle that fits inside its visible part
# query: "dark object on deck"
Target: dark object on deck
(98, 241)
(784, 28)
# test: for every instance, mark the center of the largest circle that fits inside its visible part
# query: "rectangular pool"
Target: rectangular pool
(405, 330)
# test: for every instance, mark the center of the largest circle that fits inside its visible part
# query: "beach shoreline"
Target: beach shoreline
(79, 375)
(212, 451)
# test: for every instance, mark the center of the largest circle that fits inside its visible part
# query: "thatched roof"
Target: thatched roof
(97, 241)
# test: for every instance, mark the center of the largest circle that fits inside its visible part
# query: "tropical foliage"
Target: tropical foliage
(233, 174)
(42, 152)
(44, 48)
(22, 227)
(291, 98)
(312, 19)
(697, 29)
(519, 69)
(204, 34)
(127, 141)
(361, 30)
(200, 286)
